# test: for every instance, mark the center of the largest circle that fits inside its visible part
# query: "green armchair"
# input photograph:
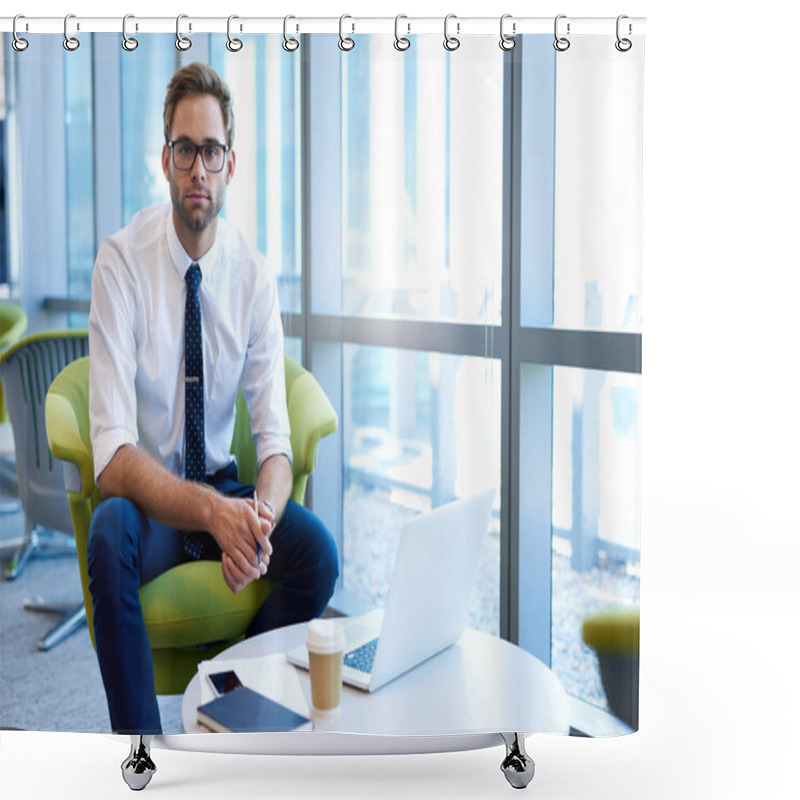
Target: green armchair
(189, 611)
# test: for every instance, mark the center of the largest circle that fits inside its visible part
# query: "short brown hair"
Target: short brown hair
(192, 81)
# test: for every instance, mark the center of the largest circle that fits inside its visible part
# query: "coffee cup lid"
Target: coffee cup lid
(325, 636)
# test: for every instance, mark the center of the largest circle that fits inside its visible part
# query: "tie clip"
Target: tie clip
(191, 379)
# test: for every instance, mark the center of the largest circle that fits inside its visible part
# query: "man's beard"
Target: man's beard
(200, 218)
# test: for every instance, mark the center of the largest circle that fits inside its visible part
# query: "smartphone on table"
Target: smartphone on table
(224, 682)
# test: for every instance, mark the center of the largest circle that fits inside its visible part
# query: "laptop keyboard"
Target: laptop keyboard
(362, 657)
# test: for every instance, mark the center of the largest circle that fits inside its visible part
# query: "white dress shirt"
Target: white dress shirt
(136, 344)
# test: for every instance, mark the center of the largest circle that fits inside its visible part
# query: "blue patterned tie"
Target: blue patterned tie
(194, 426)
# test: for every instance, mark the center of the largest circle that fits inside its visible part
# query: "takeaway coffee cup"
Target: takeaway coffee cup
(325, 643)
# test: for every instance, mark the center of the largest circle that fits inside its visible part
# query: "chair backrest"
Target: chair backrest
(13, 323)
(27, 369)
(311, 417)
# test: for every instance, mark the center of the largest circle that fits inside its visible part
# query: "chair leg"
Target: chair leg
(25, 552)
(39, 543)
(74, 617)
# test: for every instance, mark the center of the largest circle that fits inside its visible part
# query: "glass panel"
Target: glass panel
(580, 170)
(598, 159)
(145, 73)
(78, 128)
(414, 185)
(419, 429)
(293, 347)
(595, 513)
(264, 198)
(536, 179)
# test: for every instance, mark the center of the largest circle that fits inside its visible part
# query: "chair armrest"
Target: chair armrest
(66, 444)
(312, 417)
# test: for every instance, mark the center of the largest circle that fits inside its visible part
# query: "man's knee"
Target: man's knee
(112, 533)
(317, 550)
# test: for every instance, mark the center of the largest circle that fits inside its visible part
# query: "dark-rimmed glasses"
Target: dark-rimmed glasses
(184, 154)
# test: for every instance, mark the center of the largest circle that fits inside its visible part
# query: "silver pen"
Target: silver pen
(255, 508)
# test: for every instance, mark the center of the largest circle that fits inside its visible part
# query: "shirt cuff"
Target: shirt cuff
(271, 446)
(106, 444)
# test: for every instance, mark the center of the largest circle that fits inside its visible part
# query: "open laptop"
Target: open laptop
(428, 601)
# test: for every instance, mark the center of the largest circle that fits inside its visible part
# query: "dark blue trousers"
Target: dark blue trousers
(127, 549)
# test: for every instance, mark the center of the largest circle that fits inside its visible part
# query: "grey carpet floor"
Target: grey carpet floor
(58, 690)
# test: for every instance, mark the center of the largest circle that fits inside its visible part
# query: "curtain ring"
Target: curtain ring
(451, 42)
(290, 44)
(19, 44)
(561, 43)
(345, 42)
(128, 42)
(623, 45)
(400, 42)
(233, 44)
(181, 42)
(506, 42)
(70, 42)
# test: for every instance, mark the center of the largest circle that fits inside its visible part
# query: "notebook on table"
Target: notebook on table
(245, 711)
(428, 601)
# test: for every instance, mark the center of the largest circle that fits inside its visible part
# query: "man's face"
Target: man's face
(197, 194)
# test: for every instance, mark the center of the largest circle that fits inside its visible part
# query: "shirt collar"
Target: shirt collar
(181, 260)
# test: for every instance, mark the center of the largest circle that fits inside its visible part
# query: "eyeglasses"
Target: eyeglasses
(184, 154)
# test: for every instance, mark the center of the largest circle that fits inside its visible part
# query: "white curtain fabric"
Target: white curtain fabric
(458, 243)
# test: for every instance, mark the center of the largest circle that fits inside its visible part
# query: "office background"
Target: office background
(720, 433)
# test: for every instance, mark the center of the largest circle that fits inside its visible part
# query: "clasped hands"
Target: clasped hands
(239, 531)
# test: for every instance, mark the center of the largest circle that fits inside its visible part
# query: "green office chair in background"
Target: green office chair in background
(13, 324)
(189, 611)
(27, 370)
(614, 636)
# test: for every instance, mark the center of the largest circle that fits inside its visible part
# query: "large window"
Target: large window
(421, 415)
(412, 182)
(576, 365)
(265, 196)
(79, 131)
(410, 205)
(143, 77)
(581, 494)
(419, 429)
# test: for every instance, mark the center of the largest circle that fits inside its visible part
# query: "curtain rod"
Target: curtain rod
(243, 25)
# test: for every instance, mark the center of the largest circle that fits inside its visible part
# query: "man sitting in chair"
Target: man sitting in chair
(183, 311)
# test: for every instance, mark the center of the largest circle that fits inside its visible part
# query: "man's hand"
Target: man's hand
(239, 531)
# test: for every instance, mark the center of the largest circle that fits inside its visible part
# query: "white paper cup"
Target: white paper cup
(325, 641)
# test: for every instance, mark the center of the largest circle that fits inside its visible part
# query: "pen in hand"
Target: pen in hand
(255, 508)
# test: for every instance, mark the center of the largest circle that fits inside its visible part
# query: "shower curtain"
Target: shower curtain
(455, 236)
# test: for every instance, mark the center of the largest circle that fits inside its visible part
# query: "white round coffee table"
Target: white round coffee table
(460, 699)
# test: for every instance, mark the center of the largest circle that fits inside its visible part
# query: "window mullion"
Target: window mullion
(106, 82)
